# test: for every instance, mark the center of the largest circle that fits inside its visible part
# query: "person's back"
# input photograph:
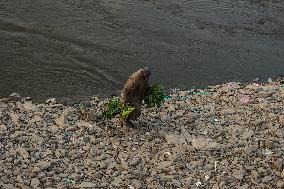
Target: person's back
(133, 92)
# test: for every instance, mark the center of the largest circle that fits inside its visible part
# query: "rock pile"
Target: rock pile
(227, 136)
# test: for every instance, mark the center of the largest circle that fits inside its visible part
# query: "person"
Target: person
(133, 93)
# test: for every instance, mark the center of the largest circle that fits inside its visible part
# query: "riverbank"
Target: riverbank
(226, 136)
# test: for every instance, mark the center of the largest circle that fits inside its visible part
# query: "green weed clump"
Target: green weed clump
(115, 107)
(154, 96)
(126, 110)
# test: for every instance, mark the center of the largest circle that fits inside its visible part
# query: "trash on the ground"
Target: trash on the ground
(198, 183)
(268, 152)
(69, 181)
(207, 177)
(215, 165)
(67, 135)
(262, 100)
(213, 120)
(200, 93)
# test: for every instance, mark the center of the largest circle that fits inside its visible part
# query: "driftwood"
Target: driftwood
(133, 92)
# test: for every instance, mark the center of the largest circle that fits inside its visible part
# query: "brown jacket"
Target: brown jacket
(134, 89)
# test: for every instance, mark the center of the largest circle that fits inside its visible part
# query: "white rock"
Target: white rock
(247, 134)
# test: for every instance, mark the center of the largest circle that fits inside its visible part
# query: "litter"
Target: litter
(268, 152)
(262, 100)
(207, 177)
(200, 93)
(198, 183)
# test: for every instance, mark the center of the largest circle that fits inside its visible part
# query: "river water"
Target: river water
(79, 48)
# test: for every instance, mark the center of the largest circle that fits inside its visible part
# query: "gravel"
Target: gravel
(226, 136)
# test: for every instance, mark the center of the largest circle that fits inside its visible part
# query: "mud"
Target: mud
(77, 48)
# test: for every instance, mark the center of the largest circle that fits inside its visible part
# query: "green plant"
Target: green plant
(115, 107)
(154, 96)
(125, 112)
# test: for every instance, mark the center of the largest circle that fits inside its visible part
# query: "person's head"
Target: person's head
(146, 72)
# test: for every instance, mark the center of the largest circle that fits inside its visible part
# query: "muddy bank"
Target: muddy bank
(227, 136)
(75, 48)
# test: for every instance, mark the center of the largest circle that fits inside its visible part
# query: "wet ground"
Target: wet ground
(77, 48)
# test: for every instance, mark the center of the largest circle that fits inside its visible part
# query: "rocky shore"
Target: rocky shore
(226, 136)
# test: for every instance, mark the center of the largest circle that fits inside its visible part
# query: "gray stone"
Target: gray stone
(204, 143)
(245, 186)
(23, 152)
(135, 161)
(266, 179)
(239, 174)
(247, 134)
(87, 185)
(44, 165)
(35, 182)
(3, 128)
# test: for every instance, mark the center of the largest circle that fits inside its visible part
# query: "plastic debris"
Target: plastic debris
(183, 97)
(69, 181)
(213, 120)
(167, 98)
(215, 165)
(198, 183)
(268, 152)
(67, 136)
(262, 100)
(200, 93)
(207, 177)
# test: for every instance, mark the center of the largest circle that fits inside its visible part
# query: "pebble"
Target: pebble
(247, 134)
(135, 161)
(44, 165)
(3, 128)
(266, 179)
(35, 182)
(239, 174)
(22, 152)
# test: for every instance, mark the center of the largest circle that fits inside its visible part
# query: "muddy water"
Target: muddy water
(77, 48)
